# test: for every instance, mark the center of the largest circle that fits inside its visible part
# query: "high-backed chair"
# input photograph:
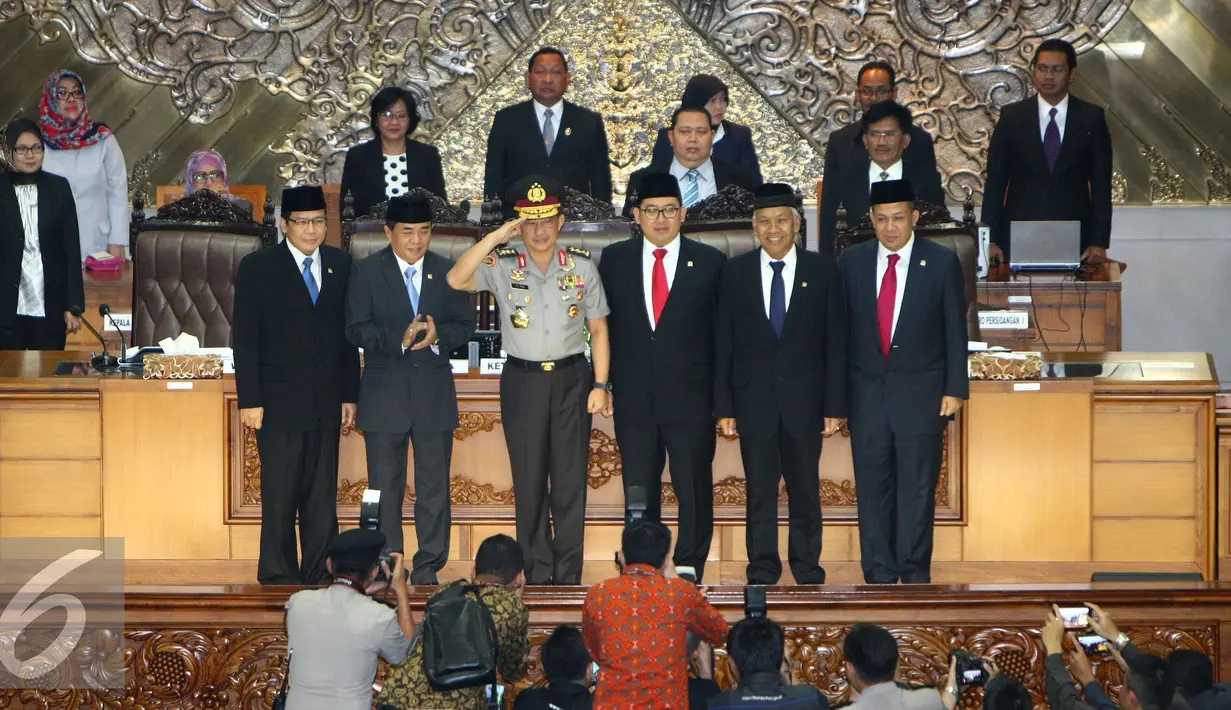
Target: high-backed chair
(937, 225)
(254, 194)
(185, 262)
(452, 231)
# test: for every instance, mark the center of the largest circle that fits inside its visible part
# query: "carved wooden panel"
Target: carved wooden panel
(201, 668)
(481, 483)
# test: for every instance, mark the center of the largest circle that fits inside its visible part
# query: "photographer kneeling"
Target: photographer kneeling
(337, 633)
(756, 647)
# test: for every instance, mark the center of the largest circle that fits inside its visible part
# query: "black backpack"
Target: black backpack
(459, 640)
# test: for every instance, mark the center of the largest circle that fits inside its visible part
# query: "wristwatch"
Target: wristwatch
(1122, 640)
(605, 386)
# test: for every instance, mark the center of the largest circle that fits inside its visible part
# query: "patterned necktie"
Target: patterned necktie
(884, 175)
(549, 131)
(885, 302)
(309, 280)
(692, 191)
(658, 284)
(1051, 142)
(777, 299)
(411, 290)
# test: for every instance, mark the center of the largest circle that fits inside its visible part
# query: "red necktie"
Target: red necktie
(658, 282)
(885, 302)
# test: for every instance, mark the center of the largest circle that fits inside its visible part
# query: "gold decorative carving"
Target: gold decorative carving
(139, 178)
(462, 491)
(252, 466)
(1166, 185)
(1119, 188)
(1218, 183)
(604, 462)
(471, 423)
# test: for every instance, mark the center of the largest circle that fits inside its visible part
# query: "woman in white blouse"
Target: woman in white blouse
(88, 155)
(40, 272)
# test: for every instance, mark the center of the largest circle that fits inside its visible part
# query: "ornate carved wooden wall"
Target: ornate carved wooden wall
(248, 76)
(211, 648)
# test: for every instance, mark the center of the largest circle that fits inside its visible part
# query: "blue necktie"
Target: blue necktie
(411, 290)
(309, 281)
(692, 191)
(777, 299)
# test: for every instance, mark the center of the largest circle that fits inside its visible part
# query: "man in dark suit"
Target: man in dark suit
(663, 292)
(298, 379)
(1050, 159)
(781, 381)
(548, 136)
(403, 314)
(887, 136)
(907, 355)
(876, 83)
(698, 172)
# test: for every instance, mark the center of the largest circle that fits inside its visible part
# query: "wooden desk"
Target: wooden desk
(1066, 314)
(1076, 476)
(1224, 494)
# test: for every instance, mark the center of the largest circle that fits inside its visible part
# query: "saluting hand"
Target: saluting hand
(429, 337)
(507, 231)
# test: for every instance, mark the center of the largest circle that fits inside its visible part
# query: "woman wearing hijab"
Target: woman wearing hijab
(208, 171)
(40, 266)
(732, 142)
(88, 155)
(392, 163)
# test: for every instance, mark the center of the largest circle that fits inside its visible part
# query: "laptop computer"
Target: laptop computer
(1045, 246)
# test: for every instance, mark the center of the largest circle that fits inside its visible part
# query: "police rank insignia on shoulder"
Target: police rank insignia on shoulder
(503, 252)
(578, 251)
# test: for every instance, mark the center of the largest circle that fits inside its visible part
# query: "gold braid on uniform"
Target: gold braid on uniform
(578, 251)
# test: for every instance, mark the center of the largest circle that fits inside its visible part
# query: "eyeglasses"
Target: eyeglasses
(304, 222)
(66, 93)
(391, 116)
(28, 149)
(883, 135)
(654, 212)
(876, 91)
(214, 176)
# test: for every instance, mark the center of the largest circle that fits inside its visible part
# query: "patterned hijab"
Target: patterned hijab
(201, 160)
(58, 132)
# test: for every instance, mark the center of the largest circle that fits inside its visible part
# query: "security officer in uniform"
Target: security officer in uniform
(548, 296)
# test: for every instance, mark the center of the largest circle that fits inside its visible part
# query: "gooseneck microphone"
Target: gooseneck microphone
(98, 362)
(104, 311)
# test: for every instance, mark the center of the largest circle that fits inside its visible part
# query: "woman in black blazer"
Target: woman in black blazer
(732, 143)
(392, 163)
(40, 252)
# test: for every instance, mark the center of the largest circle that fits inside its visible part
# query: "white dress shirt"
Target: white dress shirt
(706, 185)
(874, 173)
(31, 255)
(99, 180)
(670, 260)
(788, 277)
(316, 265)
(557, 113)
(720, 133)
(903, 267)
(1062, 113)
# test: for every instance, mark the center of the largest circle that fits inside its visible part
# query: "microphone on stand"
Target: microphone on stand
(104, 311)
(98, 362)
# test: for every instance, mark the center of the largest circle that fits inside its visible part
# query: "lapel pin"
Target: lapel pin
(568, 130)
(923, 262)
(329, 270)
(690, 263)
(804, 285)
(429, 277)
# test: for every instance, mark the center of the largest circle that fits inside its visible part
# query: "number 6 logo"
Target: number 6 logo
(25, 607)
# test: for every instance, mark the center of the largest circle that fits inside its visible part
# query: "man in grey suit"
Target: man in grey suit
(402, 312)
(871, 668)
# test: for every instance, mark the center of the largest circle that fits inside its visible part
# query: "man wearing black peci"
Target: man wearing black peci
(297, 379)
(663, 293)
(780, 381)
(548, 136)
(907, 357)
(403, 314)
(1050, 159)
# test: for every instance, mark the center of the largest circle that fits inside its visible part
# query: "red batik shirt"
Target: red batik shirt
(635, 629)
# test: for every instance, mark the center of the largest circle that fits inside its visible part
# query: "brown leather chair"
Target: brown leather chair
(937, 225)
(184, 271)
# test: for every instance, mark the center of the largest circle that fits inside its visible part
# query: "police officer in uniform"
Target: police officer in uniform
(548, 296)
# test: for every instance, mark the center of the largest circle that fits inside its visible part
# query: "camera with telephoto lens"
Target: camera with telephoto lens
(636, 502)
(970, 668)
(369, 519)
